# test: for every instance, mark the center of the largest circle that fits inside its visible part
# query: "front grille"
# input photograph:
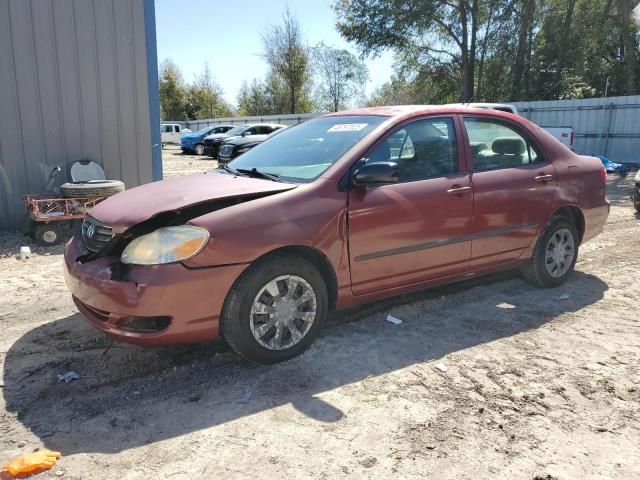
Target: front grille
(95, 234)
(226, 150)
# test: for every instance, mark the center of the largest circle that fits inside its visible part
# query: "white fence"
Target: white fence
(602, 126)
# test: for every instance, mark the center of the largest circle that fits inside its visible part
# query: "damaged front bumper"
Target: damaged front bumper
(148, 305)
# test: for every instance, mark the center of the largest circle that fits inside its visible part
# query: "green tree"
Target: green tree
(173, 92)
(287, 55)
(499, 50)
(205, 97)
(263, 97)
(435, 31)
(340, 77)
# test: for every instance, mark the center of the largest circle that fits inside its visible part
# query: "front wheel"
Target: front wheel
(554, 256)
(199, 149)
(636, 201)
(275, 310)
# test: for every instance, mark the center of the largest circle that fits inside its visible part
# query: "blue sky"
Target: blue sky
(227, 35)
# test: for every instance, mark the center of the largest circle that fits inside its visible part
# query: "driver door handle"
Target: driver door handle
(543, 178)
(456, 190)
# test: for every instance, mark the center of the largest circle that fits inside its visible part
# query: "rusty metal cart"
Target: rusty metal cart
(50, 215)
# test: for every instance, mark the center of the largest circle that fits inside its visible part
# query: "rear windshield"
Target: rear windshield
(303, 152)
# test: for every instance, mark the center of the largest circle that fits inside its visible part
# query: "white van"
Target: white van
(171, 132)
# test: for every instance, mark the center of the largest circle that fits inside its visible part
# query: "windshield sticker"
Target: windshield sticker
(348, 127)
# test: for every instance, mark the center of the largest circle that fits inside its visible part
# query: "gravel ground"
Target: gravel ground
(485, 379)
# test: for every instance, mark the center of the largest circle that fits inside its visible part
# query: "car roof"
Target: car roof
(505, 107)
(418, 110)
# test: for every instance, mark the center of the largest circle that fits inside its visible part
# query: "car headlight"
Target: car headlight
(165, 245)
(243, 150)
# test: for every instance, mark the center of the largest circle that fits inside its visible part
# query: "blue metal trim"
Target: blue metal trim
(153, 87)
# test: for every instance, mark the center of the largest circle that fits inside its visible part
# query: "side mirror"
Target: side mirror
(246, 134)
(377, 173)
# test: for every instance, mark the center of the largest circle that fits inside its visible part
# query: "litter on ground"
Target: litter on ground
(31, 463)
(67, 377)
(394, 320)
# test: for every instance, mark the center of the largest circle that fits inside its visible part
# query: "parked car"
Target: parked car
(194, 142)
(171, 133)
(212, 142)
(563, 134)
(235, 147)
(635, 196)
(345, 208)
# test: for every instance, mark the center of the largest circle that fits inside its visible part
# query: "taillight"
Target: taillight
(603, 174)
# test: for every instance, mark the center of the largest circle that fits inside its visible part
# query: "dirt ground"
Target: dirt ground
(487, 379)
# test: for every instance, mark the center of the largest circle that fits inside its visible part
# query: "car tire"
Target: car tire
(636, 202)
(93, 188)
(199, 149)
(240, 325)
(47, 235)
(550, 265)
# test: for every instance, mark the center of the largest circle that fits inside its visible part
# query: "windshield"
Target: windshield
(237, 130)
(303, 152)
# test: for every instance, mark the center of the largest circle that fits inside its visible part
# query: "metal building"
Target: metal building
(602, 126)
(78, 80)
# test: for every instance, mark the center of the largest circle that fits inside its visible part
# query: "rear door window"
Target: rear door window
(495, 145)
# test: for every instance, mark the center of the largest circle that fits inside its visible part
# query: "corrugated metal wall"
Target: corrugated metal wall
(602, 126)
(75, 78)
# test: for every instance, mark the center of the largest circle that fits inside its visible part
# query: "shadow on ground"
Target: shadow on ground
(129, 396)
(619, 188)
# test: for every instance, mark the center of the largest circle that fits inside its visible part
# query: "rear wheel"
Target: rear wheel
(199, 149)
(275, 310)
(554, 256)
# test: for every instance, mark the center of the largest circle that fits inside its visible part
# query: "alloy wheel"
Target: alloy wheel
(560, 252)
(283, 312)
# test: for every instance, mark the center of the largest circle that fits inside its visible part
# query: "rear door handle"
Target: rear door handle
(543, 178)
(458, 190)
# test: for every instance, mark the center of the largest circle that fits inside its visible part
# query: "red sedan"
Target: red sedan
(346, 208)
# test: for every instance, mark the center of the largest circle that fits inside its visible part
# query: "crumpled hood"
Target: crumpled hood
(138, 204)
